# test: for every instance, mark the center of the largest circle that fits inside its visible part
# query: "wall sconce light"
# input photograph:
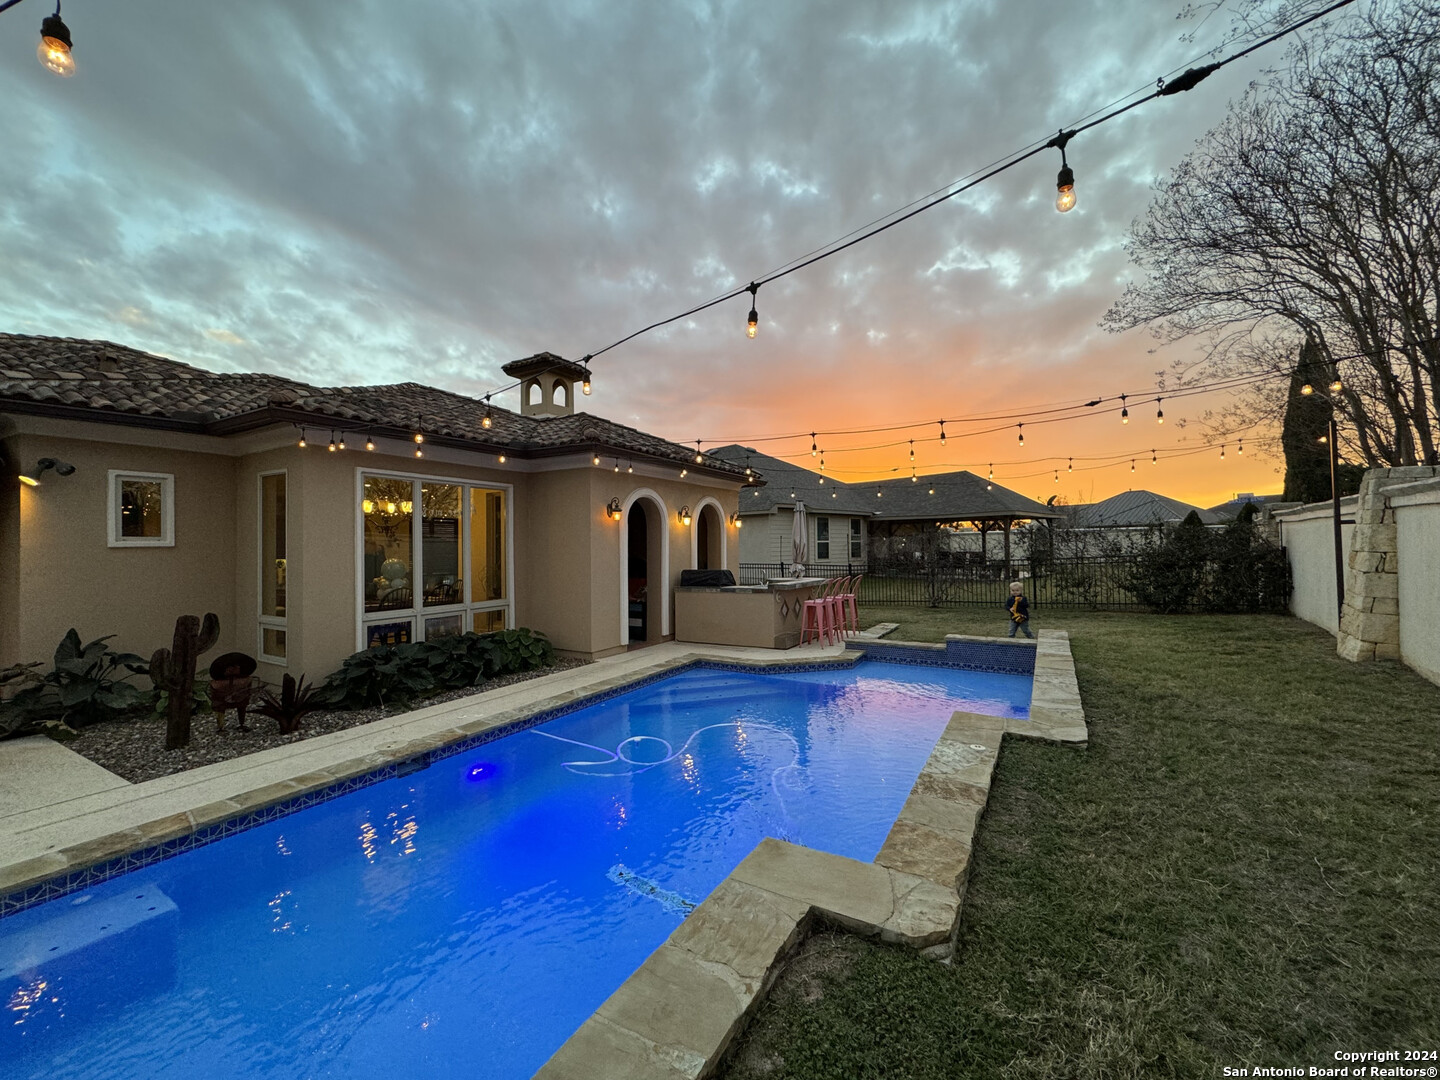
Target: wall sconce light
(684, 515)
(612, 510)
(735, 520)
(32, 479)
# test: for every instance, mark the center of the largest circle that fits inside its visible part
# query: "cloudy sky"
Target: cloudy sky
(375, 192)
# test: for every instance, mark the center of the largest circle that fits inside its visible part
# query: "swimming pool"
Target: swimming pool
(468, 917)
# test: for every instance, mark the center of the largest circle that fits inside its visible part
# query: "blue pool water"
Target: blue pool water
(465, 919)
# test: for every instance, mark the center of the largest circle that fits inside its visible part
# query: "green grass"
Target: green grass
(1240, 870)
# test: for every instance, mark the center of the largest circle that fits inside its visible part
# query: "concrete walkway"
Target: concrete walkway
(38, 771)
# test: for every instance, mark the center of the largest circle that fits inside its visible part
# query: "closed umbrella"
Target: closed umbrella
(799, 542)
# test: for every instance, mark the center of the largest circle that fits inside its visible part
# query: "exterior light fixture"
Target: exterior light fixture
(585, 382)
(1057, 476)
(735, 520)
(44, 465)
(684, 473)
(1222, 448)
(822, 480)
(822, 461)
(1335, 384)
(332, 446)
(1124, 411)
(1071, 466)
(814, 450)
(500, 458)
(684, 515)
(699, 457)
(752, 323)
(1132, 464)
(1065, 180)
(942, 432)
(912, 449)
(419, 429)
(1240, 447)
(629, 466)
(612, 509)
(341, 443)
(932, 491)
(617, 465)
(1021, 426)
(595, 459)
(301, 443)
(1153, 459)
(879, 494)
(488, 420)
(792, 494)
(834, 494)
(992, 472)
(1306, 389)
(989, 486)
(419, 453)
(369, 441)
(55, 45)
(1159, 412)
(913, 478)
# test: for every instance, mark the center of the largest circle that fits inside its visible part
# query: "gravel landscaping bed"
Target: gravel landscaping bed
(135, 749)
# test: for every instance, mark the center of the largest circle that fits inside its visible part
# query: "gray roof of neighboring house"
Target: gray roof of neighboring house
(1231, 509)
(959, 496)
(1133, 509)
(102, 381)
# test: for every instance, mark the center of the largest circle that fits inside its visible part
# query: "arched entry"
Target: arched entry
(708, 542)
(644, 569)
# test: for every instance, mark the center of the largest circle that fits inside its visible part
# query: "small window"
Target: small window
(822, 538)
(855, 550)
(142, 509)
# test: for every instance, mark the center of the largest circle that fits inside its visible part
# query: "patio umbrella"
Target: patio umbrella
(798, 542)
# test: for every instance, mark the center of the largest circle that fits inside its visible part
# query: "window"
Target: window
(822, 538)
(855, 548)
(142, 510)
(434, 558)
(272, 521)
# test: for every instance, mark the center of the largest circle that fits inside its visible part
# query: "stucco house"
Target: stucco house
(318, 520)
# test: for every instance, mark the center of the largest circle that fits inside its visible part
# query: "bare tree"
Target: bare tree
(1311, 212)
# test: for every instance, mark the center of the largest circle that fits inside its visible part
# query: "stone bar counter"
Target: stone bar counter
(758, 616)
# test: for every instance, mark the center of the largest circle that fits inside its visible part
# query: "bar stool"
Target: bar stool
(849, 604)
(819, 615)
(837, 607)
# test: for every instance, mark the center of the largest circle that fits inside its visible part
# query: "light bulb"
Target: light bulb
(369, 443)
(932, 491)
(617, 465)
(1132, 464)
(367, 505)
(1070, 467)
(1240, 448)
(684, 473)
(992, 473)
(1124, 416)
(301, 444)
(1307, 389)
(585, 385)
(55, 45)
(419, 438)
(1159, 412)
(596, 461)
(486, 421)
(629, 466)
(1057, 476)
(331, 447)
(1336, 385)
(1222, 451)
(1022, 434)
(1065, 189)
(752, 324)
(912, 449)
(942, 432)
(1153, 459)
(501, 458)
(342, 441)
(419, 453)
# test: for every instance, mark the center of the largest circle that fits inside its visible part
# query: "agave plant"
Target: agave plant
(296, 700)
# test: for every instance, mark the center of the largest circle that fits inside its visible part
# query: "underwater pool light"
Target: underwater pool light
(481, 770)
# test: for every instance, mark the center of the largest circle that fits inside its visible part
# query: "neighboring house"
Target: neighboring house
(865, 525)
(1229, 511)
(193, 491)
(1129, 519)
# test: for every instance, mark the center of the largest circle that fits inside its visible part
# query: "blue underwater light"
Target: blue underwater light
(481, 770)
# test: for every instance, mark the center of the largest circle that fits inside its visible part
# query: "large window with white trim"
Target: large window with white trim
(434, 558)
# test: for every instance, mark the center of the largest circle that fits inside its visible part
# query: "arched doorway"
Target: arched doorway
(709, 539)
(645, 572)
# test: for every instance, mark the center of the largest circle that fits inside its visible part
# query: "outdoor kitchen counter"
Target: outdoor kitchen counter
(758, 616)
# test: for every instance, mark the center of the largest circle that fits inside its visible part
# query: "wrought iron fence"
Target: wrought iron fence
(1098, 584)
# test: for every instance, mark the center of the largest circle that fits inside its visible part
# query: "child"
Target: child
(1019, 609)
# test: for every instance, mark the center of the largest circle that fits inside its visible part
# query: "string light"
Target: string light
(698, 456)
(912, 449)
(1335, 384)
(617, 465)
(1240, 447)
(1071, 466)
(1222, 451)
(342, 440)
(879, 494)
(684, 472)
(1057, 476)
(420, 428)
(369, 441)
(822, 460)
(942, 432)
(913, 478)
(1065, 180)
(629, 466)
(932, 491)
(55, 45)
(419, 453)
(1124, 412)
(752, 323)
(1021, 428)
(487, 420)
(992, 471)
(585, 383)
(1132, 464)
(331, 447)
(1154, 458)
(500, 458)
(301, 444)
(813, 448)
(1306, 389)
(1159, 412)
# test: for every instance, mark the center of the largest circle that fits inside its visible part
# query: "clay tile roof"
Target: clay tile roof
(545, 361)
(109, 380)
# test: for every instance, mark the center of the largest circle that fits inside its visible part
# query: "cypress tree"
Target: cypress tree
(1307, 418)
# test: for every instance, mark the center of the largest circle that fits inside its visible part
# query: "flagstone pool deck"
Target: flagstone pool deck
(679, 1012)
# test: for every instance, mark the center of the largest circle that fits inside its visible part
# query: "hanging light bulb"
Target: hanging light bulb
(1222, 450)
(822, 461)
(617, 464)
(752, 324)
(879, 494)
(989, 486)
(1022, 433)
(912, 449)
(500, 458)
(1057, 476)
(629, 466)
(1322, 439)
(419, 453)
(369, 442)
(1306, 389)
(1240, 447)
(932, 491)
(331, 447)
(585, 382)
(833, 494)
(813, 448)
(55, 45)
(341, 444)
(301, 444)
(419, 429)
(822, 480)
(698, 456)
(1124, 412)
(1159, 412)
(1335, 384)
(1065, 180)
(1154, 460)
(913, 478)
(1132, 464)
(684, 473)
(942, 432)
(487, 420)
(1071, 466)
(992, 472)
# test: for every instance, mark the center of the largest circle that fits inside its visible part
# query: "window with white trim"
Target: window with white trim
(272, 521)
(142, 509)
(856, 549)
(822, 538)
(435, 559)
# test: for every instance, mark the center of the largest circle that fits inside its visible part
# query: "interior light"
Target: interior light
(367, 506)
(29, 481)
(55, 45)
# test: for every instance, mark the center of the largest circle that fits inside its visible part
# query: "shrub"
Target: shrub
(394, 674)
(1235, 571)
(83, 687)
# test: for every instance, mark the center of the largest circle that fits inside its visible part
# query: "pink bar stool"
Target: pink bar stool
(823, 621)
(850, 605)
(837, 606)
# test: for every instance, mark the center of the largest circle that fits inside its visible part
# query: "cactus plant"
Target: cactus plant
(173, 669)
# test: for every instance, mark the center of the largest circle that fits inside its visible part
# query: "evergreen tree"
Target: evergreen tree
(1307, 420)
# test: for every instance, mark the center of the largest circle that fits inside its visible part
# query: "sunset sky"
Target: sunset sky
(377, 192)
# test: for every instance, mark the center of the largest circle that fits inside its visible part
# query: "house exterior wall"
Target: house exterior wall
(10, 498)
(768, 538)
(66, 574)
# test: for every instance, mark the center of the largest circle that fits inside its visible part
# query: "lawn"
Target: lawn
(1240, 870)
